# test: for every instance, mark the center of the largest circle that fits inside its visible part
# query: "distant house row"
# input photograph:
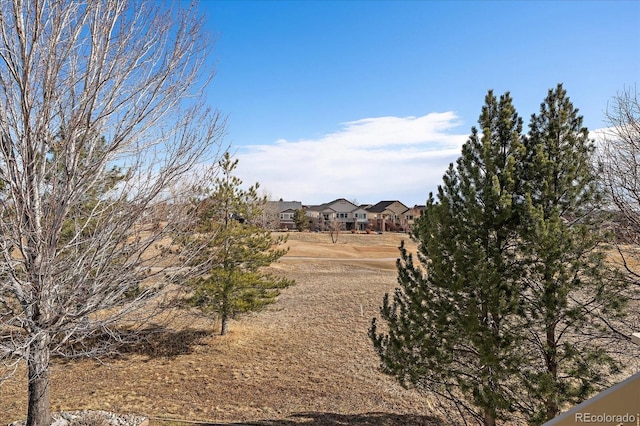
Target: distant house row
(381, 217)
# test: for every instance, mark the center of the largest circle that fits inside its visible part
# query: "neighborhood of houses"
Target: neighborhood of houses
(381, 217)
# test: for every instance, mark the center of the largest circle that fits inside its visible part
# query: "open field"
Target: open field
(305, 360)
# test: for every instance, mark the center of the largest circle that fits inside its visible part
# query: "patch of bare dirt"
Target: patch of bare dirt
(305, 358)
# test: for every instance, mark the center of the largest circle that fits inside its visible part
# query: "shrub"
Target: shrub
(91, 418)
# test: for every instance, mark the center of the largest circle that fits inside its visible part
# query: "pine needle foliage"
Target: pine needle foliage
(571, 292)
(449, 330)
(237, 252)
(301, 219)
(504, 314)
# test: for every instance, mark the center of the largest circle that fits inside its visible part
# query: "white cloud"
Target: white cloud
(599, 136)
(604, 140)
(372, 159)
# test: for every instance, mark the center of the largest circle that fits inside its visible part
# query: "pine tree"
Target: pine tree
(238, 250)
(450, 329)
(570, 288)
(511, 310)
(301, 219)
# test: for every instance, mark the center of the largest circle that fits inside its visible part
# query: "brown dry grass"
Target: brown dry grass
(306, 359)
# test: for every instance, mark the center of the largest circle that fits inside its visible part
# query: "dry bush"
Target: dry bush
(91, 418)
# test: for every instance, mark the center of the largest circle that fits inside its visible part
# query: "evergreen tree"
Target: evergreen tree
(511, 310)
(570, 288)
(237, 251)
(450, 328)
(301, 219)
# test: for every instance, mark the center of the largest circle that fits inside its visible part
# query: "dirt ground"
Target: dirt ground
(304, 360)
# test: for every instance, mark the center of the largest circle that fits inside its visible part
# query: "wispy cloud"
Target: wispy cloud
(369, 160)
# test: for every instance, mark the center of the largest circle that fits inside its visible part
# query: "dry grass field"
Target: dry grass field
(304, 360)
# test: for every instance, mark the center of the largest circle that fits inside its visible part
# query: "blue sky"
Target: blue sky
(371, 100)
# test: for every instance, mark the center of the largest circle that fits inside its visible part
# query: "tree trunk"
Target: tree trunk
(39, 408)
(224, 311)
(225, 324)
(552, 409)
(552, 368)
(489, 419)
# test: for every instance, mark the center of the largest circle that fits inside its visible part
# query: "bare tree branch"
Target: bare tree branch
(101, 126)
(620, 164)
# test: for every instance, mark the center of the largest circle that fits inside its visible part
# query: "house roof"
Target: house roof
(317, 208)
(361, 209)
(417, 207)
(379, 207)
(328, 206)
(289, 205)
(382, 206)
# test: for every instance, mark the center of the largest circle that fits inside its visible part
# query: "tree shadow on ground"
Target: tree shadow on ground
(334, 419)
(161, 342)
(152, 341)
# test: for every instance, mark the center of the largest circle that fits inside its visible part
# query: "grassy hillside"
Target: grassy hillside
(306, 359)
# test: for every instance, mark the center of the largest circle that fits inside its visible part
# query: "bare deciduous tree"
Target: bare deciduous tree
(620, 163)
(100, 123)
(270, 218)
(619, 159)
(335, 226)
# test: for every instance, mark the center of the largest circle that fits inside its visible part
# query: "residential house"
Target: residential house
(280, 214)
(320, 216)
(340, 211)
(383, 216)
(410, 215)
(360, 219)
(388, 216)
